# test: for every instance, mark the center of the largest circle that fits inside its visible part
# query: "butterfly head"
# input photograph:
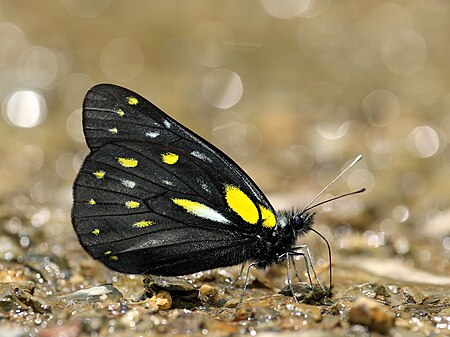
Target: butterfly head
(302, 222)
(293, 223)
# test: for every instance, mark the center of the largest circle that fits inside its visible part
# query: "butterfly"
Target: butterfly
(152, 197)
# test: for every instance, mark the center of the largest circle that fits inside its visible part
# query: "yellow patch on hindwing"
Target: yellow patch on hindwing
(169, 158)
(127, 162)
(240, 203)
(111, 257)
(268, 217)
(143, 223)
(132, 100)
(100, 174)
(132, 204)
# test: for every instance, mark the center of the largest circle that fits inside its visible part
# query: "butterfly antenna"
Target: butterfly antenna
(323, 237)
(312, 205)
(334, 198)
(308, 207)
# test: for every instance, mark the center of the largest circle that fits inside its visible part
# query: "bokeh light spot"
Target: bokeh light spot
(74, 126)
(25, 109)
(332, 122)
(361, 177)
(222, 88)
(400, 213)
(315, 8)
(423, 142)
(285, 9)
(37, 67)
(446, 243)
(403, 51)
(381, 108)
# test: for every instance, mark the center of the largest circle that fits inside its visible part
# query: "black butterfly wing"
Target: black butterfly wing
(153, 197)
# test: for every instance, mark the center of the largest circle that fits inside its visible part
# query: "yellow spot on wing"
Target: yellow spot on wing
(169, 158)
(132, 204)
(96, 231)
(111, 257)
(91, 202)
(268, 217)
(127, 162)
(241, 204)
(120, 112)
(99, 174)
(188, 205)
(143, 223)
(132, 100)
(113, 130)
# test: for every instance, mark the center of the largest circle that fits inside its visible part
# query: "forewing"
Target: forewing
(112, 113)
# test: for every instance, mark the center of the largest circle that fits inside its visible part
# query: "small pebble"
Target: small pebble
(151, 307)
(163, 300)
(207, 292)
(310, 311)
(413, 295)
(233, 303)
(372, 314)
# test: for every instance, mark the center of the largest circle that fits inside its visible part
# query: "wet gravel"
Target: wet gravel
(48, 296)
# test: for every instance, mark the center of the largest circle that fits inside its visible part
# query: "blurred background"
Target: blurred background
(292, 90)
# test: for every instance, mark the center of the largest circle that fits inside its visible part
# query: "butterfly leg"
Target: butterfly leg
(305, 252)
(244, 288)
(232, 284)
(295, 269)
(288, 276)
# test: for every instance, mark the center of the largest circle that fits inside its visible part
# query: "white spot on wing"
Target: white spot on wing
(201, 156)
(167, 124)
(208, 213)
(128, 183)
(167, 182)
(152, 134)
(203, 185)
